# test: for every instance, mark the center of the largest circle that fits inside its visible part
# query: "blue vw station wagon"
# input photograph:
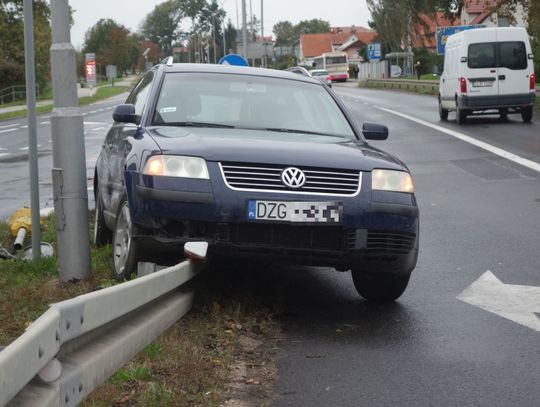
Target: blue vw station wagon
(262, 164)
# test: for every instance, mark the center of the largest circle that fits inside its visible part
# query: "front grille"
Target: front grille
(267, 177)
(390, 242)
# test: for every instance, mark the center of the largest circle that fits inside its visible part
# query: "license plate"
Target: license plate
(286, 211)
(482, 84)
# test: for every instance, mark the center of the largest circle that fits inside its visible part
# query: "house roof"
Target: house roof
(348, 29)
(478, 6)
(425, 35)
(315, 44)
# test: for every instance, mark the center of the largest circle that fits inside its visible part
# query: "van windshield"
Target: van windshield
(508, 54)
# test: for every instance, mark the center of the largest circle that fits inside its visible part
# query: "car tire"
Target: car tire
(443, 113)
(102, 234)
(526, 114)
(503, 115)
(461, 115)
(125, 254)
(380, 287)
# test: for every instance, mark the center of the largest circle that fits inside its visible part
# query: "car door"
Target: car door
(513, 72)
(119, 142)
(482, 73)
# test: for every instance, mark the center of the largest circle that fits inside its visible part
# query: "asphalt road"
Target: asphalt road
(478, 212)
(14, 169)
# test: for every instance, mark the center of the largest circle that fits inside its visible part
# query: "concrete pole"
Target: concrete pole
(32, 131)
(224, 40)
(69, 161)
(244, 29)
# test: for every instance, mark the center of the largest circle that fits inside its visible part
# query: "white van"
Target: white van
(487, 70)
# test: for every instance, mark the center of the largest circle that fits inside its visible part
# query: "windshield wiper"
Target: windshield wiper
(196, 124)
(316, 133)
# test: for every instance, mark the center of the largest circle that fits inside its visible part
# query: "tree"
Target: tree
(12, 42)
(313, 26)
(210, 20)
(285, 33)
(111, 43)
(162, 25)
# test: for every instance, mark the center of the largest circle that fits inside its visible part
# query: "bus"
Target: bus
(336, 63)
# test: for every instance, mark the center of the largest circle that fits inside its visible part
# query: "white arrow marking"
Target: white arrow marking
(517, 303)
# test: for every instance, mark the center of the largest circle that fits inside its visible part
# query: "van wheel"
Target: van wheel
(526, 114)
(503, 115)
(461, 115)
(443, 113)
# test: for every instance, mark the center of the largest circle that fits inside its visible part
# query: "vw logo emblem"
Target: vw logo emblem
(293, 177)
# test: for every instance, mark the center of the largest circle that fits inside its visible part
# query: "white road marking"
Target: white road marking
(488, 147)
(7, 130)
(9, 125)
(4, 154)
(517, 303)
(26, 148)
(93, 123)
(93, 112)
(46, 122)
(98, 128)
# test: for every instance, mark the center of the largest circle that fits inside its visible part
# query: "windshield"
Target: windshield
(319, 73)
(252, 102)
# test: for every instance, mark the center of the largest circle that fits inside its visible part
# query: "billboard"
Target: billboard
(374, 51)
(444, 32)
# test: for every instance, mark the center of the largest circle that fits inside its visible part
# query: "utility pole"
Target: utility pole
(263, 62)
(32, 131)
(244, 30)
(69, 161)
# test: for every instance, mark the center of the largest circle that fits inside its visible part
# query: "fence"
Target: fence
(373, 70)
(13, 93)
(78, 343)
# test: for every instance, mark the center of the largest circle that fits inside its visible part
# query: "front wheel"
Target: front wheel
(125, 251)
(380, 287)
(526, 114)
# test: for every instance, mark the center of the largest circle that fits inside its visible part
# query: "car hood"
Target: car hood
(260, 146)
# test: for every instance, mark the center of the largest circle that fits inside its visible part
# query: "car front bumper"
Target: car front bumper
(378, 230)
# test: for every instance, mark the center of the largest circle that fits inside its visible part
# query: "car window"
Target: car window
(512, 55)
(249, 102)
(482, 55)
(140, 93)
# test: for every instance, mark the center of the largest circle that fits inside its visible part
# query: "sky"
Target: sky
(130, 13)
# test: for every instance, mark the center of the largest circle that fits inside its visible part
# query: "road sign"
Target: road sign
(444, 32)
(518, 303)
(374, 51)
(91, 79)
(233, 59)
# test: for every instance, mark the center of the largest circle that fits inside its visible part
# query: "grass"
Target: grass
(190, 364)
(422, 89)
(103, 92)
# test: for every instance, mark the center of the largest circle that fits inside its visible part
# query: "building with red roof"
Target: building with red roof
(481, 12)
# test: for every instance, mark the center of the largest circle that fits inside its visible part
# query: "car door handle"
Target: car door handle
(502, 77)
(444, 80)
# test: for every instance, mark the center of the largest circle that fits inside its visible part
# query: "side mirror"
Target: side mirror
(374, 131)
(125, 114)
(463, 59)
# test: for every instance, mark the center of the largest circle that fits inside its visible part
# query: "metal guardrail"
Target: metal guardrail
(13, 93)
(78, 343)
(413, 83)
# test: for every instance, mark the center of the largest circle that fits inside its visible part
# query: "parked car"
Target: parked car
(488, 70)
(322, 75)
(262, 164)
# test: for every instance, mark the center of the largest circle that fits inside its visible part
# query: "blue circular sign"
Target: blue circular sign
(233, 59)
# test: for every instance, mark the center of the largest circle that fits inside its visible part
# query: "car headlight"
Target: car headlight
(176, 166)
(389, 180)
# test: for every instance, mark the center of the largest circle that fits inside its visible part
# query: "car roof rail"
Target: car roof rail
(168, 61)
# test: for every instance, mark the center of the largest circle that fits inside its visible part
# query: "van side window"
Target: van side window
(482, 55)
(512, 55)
